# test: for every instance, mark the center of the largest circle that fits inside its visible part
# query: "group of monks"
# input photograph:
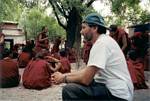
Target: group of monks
(138, 58)
(38, 63)
(38, 68)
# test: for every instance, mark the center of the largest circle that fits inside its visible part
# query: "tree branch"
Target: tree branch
(59, 22)
(61, 9)
(89, 3)
(82, 1)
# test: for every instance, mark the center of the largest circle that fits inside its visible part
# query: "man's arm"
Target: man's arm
(84, 76)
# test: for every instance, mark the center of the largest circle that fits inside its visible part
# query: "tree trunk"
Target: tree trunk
(78, 40)
(73, 32)
(73, 27)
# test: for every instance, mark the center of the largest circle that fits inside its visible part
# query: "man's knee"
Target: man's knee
(70, 91)
(70, 88)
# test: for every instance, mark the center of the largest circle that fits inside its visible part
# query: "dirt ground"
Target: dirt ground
(53, 93)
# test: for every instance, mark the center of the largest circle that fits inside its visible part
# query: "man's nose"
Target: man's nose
(81, 32)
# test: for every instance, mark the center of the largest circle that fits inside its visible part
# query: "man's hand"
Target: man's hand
(57, 78)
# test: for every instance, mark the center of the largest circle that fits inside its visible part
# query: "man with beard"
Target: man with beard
(106, 76)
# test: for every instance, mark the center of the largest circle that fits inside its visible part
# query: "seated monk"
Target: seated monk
(72, 55)
(121, 37)
(42, 41)
(24, 58)
(37, 74)
(9, 73)
(136, 70)
(55, 48)
(86, 50)
(62, 65)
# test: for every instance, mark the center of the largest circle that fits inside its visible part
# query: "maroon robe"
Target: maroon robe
(66, 67)
(9, 73)
(55, 48)
(72, 55)
(41, 44)
(132, 70)
(86, 51)
(23, 59)
(118, 37)
(136, 69)
(37, 75)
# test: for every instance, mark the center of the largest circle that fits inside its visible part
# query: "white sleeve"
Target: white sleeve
(98, 56)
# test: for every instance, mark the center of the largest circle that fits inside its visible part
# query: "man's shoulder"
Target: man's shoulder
(105, 39)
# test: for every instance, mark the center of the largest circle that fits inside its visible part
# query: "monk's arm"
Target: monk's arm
(42, 39)
(124, 41)
(2, 39)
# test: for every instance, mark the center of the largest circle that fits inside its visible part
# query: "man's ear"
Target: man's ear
(95, 28)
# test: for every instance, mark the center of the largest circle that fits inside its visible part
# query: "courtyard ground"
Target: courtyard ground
(53, 93)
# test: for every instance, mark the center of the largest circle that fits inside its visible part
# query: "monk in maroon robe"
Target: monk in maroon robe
(136, 70)
(2, 36)
(42, 41)
(65, 65)
(23, 59)
(121, 37)
(55, 48)
(140, 43)
(9, 73)
(71, 55)
(86, 50)
(26, 55)
(37, 74)
(62, 65)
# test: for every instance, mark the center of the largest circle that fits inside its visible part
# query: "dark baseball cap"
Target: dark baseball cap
(96, 19)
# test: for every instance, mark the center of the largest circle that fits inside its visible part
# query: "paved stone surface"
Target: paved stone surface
(143, 94)
(54, 93)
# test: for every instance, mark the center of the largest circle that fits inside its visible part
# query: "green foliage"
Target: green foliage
(144, 17)
(1, 11)
(120, 6)
(64, 7)
(10, 10)
(68, 4)
(82, 8)
(35, 19)
(31, 16)
(128, 11)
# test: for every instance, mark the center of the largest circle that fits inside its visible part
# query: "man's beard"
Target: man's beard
(88, 37)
